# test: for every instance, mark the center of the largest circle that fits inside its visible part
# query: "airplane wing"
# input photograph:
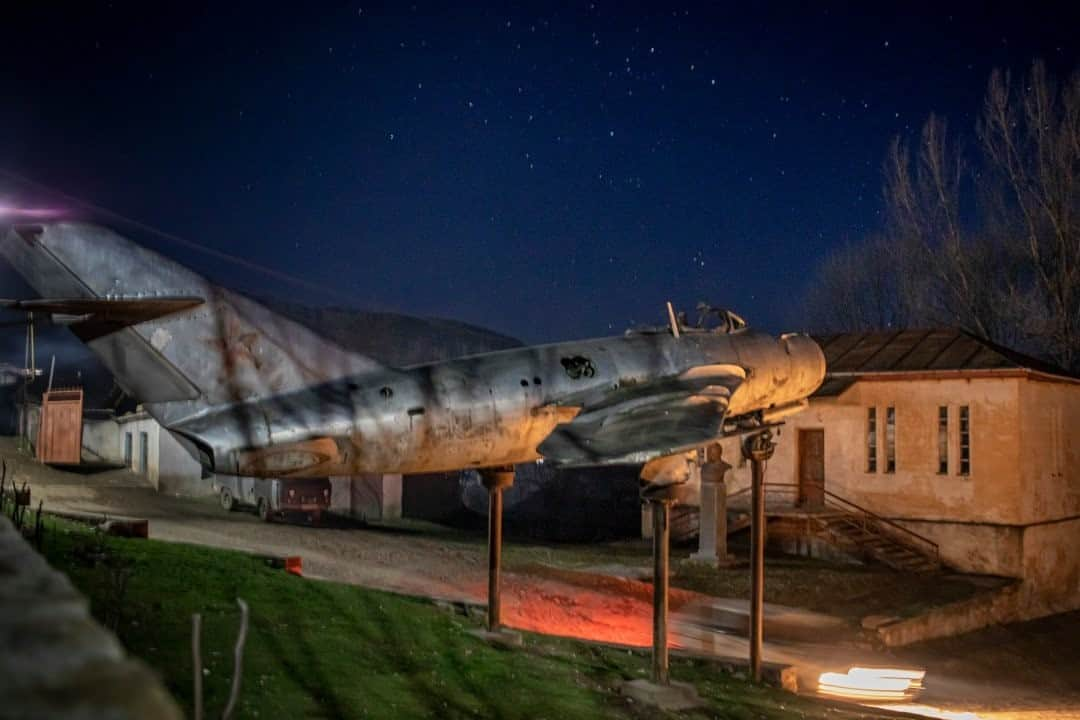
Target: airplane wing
(122, 311)
(656, 419)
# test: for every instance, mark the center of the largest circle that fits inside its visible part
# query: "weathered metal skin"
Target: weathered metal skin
(253, 394)
(485, 410)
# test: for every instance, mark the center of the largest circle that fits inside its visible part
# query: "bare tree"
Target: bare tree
(986, 238)
(855, 288)
(1030, 136)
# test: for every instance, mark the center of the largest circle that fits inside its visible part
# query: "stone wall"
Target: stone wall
(101, 441)
(55, 661)
(1050, 472)
(992, 608)
(1051, 568)
(974, 547)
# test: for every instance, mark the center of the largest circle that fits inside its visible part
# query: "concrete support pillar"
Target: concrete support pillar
(757, 449)
(495, 481)
(712, 528)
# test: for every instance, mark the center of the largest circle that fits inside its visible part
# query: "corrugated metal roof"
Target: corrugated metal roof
(833, 387)
(921, 351)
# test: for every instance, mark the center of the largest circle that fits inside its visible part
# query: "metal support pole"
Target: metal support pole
(661, 547)
(758, 449)
(494, 557)
(495, 481)
(757, 567)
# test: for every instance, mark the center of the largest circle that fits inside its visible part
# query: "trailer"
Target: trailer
(276, 498)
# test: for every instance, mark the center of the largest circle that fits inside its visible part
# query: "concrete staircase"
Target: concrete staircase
(862, 536)
(840, 524)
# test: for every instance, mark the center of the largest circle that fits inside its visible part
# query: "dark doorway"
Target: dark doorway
(812, 469)
(144, 454)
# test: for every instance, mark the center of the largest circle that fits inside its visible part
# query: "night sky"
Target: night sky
(547, 173)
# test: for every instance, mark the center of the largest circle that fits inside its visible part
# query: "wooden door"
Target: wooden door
(60, 430)
(812, 469)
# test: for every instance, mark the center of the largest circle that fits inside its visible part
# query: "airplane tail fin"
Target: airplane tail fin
(168, 335)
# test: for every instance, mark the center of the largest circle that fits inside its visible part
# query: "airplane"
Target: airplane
(251, 393)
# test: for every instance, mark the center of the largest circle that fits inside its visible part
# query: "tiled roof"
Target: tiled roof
(921, 351)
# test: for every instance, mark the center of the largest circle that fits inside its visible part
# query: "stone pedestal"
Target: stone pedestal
(712, 527)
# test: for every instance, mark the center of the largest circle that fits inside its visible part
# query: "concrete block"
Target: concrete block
(55, 661)
(674, 697)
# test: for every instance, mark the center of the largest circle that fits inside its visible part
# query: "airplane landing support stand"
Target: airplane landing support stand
(496, 480)
(660, 691)
(757, 449)
(661, 542)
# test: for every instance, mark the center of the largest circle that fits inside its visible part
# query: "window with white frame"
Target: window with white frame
(965, 441)
(871, 440)
(890, 439)
(943, 440)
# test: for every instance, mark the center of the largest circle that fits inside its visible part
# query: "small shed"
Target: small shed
(60, 434)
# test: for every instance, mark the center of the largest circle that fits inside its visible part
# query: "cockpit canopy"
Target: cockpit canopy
(709, 320)
(714, 319)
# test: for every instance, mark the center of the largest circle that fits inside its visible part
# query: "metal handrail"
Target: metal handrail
(854, 509)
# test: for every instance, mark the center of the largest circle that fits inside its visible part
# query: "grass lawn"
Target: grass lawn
(319, 649)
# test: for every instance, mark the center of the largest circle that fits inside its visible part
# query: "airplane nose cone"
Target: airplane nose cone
(807, 362)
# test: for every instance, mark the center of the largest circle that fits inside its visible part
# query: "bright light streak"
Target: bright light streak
(888, 673)
(860, 683)
(887, 686)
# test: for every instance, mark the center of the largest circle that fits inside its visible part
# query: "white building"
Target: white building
(968, 445)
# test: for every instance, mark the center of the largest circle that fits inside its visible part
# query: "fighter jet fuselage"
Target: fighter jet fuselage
(249, 392)
(499, 408)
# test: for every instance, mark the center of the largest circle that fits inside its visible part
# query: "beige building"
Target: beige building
(972, 446)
